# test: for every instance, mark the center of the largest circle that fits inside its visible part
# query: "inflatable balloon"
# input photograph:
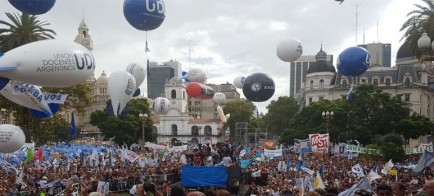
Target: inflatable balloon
(258, 87)
(221, 114)
(219, 98)
(48, 63)
(121, 86)
(138, 72)
(196, 75)
(33, 7)
(12, 138)
(199, 91)
(161, 105)
(353, 61)
(31, 96)
(144, 15)
(239, 81)
(289, 50)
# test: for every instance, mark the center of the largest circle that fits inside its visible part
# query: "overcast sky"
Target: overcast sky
(229, 38)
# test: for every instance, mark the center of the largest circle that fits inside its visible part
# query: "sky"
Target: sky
(227, 38)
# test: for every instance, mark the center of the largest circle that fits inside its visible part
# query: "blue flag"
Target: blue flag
(288, 163)
(72, 129)
(321, 170)
(245, 163)
(425, 160)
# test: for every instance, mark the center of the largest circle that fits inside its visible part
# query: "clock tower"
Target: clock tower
(83, 36)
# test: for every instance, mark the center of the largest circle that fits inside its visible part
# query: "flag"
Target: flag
(242, 151)
(148, 71)
(307, 170)
(245, 163)
(373, 175)
(29, 156)
(111, 158)
(358, 170)
(424, 161)
(39, 154)
(72, 128)
(321, 169)
(363, 184)
(288, 163)
(318, 182)
(387, 167)
(55, 157)
(299, 165)
(350, 95)
(130, 155)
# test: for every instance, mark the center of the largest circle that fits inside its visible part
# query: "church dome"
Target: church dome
(405, 52)
(321, 64)
(103, 79)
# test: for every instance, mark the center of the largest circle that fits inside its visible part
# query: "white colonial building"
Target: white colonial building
(177, 122)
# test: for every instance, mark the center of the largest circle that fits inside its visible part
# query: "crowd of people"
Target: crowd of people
(261, 176)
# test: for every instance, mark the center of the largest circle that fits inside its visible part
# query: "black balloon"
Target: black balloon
(258, 87)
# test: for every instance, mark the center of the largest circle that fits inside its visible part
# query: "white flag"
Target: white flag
(358, 170)
(387, 167)
(307, 170)
(372, 176)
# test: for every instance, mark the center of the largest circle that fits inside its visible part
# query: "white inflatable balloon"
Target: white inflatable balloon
(239, 81)
(161, 105)
(121, 87)
(48, 63)
(196, 75)
(221, 114)
(289, 50)
(12, 138)
(138, 71)
(219, 98)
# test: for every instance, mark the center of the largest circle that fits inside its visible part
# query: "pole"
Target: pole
(143, 131)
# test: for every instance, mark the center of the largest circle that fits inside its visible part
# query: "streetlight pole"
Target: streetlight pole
(327, 116)
(143, 117)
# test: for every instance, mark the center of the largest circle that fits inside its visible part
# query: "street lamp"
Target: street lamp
(4, 117)
(327, 116)
(143, 117)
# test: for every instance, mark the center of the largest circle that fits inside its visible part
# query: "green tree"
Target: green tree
(280, 113)
(22, 29)
(125, 129)
(420, 20)
(240, 111)
(391, 147)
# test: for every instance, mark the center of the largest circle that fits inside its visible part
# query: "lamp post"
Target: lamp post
(4, 117)
(327, 116)
(143, 117)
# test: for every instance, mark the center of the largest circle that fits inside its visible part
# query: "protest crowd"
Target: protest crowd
(156, 170)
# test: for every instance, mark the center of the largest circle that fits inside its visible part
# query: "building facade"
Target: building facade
(298, 71)
(409, 80)
(157, 78)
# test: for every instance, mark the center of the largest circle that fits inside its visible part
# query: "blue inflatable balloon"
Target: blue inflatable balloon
(33, 7)
(184, 73)
(353, 61)
(144, 15)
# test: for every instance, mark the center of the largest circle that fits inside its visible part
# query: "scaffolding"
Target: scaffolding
(248, 135)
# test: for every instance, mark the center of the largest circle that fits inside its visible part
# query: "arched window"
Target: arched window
(407, 81)
(208, 130)
(321, 84)
(173, 94)
(311, 84)
(194, 130)
(174, 129)
(344, 84)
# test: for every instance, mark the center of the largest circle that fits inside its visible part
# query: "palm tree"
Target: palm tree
(419, 21)
(23, 29)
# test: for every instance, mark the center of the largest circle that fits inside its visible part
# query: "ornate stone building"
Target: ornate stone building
(410, 80)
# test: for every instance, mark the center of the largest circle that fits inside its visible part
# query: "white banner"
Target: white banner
(103, 187)
(130, 155)
(319, 142)
(419, 149)
(55, 97)
(273, 153)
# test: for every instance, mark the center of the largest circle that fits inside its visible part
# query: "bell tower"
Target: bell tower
(83, 36)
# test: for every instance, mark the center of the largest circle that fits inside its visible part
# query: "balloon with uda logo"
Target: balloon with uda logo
(33, 7)
(121, 86)
(144, 15)
(161, 105)
(48, 63)
(258, 87)
(139, 73)
(353, 61)
(12, 138)
(239, 81)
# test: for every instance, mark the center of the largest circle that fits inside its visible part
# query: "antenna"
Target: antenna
(357, 14)
(364, 31)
